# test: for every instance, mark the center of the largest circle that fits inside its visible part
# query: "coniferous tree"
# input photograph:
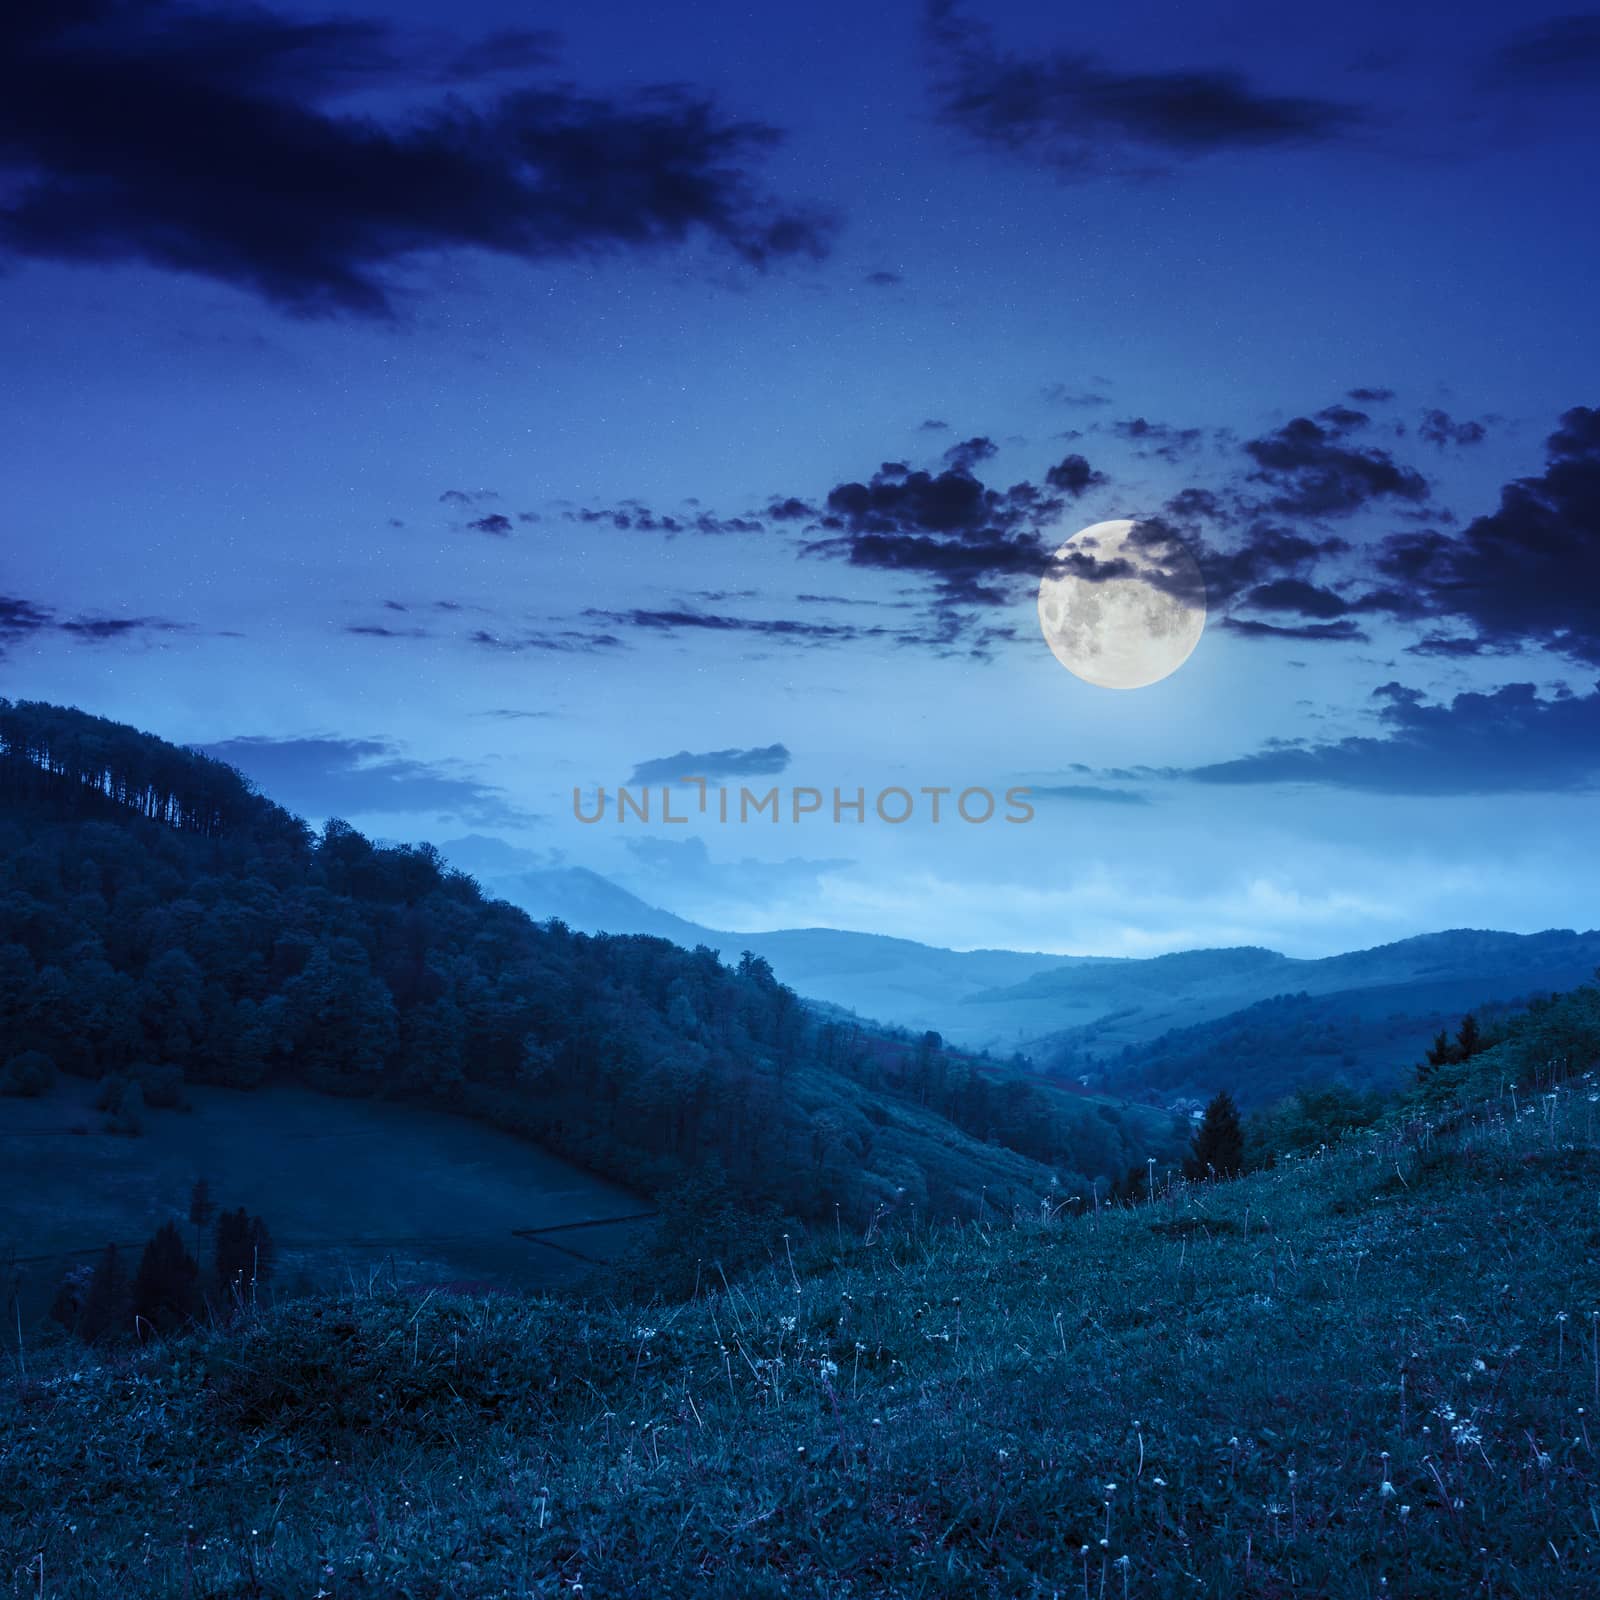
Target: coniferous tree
(202, 1208)
(243, 1263)
(1218, 1141)
(1445, 1051)
(166, 1288)
(105, 1304)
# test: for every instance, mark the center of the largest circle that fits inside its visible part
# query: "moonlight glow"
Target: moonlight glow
(1123, 632)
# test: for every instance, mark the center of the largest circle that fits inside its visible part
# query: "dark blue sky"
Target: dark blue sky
(437, 413)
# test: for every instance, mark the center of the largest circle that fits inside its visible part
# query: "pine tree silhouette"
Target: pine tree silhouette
(105, 1304)
(202, 1208)
(242, 1265)
(166, 1288)
(1218, 1141)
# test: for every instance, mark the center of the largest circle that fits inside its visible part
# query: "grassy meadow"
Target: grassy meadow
(1373, 1372)
(347, 1187)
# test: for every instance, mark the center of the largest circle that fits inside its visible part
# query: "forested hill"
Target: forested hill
(162, 922)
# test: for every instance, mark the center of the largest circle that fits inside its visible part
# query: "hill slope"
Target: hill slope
(162, 925)
(1303, 1384)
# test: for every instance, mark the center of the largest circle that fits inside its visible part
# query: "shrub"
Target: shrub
(28, 1075)
(108, 1096)
(128, 1115)
(162, 1085)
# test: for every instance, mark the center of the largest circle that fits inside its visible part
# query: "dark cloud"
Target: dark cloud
(947, 526)
(1295, 594)
(564, 641)
(330, 776)
(1529, 572)
(933, 425)
(1073, 476)
(1311, 471)
(884, 280)
(560, 641)
(1440, 428)
(203, 140)
(673, 622)
(1263, 553)
(1507, 741)
(1451, 646)
(101, 630)
(1343, 632)
(850, 600)
(631, 516)
(1194, 504)
(1340, 420)
(21, 620)
(466, 497)
(790, 509)
(1307, 599)
(757, 763)
(1084, 118)
(1371, 397)
(1159, 439)
(494, 523)
(966, 455)
(1562, 52)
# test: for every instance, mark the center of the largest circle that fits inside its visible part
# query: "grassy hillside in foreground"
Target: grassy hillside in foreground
(1374, 1373)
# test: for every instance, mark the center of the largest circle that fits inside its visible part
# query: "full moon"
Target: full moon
(1124, 632)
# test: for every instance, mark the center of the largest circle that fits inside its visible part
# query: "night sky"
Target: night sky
(433, 409)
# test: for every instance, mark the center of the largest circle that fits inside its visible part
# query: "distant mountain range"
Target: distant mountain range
(896, 981)
(1097, 1016)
